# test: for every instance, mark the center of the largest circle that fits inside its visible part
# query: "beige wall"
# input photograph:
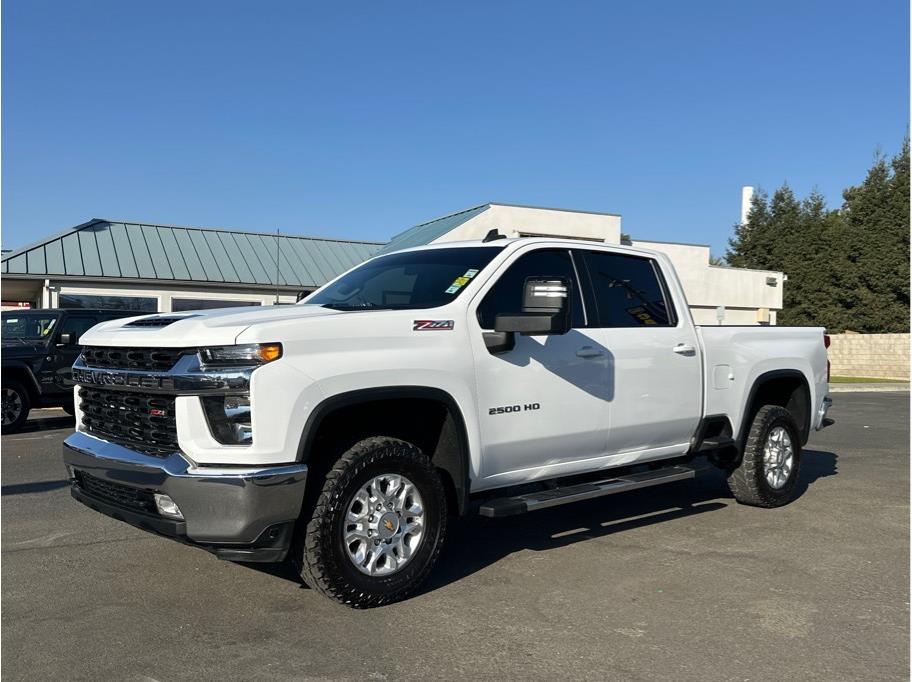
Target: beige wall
(883, 356)
(712, 285)
(163, 296)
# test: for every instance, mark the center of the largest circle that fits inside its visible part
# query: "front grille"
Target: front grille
(117, 493)
(143, 419)
(153, 359)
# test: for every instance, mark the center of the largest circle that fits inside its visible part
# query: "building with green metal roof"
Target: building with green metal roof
(163, 268)
(146, 267)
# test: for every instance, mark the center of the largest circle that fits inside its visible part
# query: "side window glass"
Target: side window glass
(505, 297)
(77, 326)
(628, 291)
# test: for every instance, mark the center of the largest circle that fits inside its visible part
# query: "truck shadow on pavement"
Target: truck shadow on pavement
(491, 540)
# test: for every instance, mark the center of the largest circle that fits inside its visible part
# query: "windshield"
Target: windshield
(413, 279)
(28, 326)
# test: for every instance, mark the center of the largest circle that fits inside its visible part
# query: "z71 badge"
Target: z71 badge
(432, 325)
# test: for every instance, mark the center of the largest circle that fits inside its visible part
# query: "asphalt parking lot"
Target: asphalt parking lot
(676, 582)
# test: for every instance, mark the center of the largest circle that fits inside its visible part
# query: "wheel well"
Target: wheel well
(432, 424)
(22, 375)
(788, 390)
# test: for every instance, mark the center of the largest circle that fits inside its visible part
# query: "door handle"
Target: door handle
(684, 349)
(589, 352)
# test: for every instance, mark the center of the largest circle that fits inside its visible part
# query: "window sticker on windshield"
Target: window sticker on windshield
(460, 282)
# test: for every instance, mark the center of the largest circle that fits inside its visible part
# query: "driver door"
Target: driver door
(543, 404)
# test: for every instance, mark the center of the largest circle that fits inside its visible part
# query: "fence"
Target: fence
(883, 356)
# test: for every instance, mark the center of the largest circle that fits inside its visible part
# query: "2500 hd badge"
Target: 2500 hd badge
(506, 409)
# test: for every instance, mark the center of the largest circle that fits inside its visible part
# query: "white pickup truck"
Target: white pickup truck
(494, 377)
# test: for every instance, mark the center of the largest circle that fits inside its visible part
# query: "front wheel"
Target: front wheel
(15, 405)
(767, 475)
(378, 525)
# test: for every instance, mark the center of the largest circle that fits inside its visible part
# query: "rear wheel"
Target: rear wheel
(767, 475)
(376, 528)
(15, 405)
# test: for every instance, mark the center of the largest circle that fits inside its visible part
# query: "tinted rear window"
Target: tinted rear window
(629, 291)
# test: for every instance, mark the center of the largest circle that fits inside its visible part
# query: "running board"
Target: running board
(520, 504)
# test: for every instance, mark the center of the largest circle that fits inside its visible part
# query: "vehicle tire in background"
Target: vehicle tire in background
(377, 527)
(767, 475)
(15, 405)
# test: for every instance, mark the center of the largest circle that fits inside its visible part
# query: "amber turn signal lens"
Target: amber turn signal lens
(270, 351)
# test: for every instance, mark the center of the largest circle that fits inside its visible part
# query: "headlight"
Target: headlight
(229, 419)
(240, 356)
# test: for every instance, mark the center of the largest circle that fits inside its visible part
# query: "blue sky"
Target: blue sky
(357, 120)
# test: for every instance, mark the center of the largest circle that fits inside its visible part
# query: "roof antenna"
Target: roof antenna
(493, 236)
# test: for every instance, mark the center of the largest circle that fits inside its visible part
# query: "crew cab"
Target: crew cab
(39, 348)
(490, 377)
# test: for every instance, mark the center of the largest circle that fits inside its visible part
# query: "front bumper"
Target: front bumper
(241, 514)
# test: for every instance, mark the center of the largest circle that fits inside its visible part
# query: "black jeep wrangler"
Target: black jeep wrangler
(39, 348)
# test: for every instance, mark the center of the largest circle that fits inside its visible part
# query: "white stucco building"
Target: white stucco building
(164, 268)
(748, 296)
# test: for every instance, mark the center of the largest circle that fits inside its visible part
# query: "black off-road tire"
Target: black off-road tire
(318, 552)
(25, 404)
(747, 482)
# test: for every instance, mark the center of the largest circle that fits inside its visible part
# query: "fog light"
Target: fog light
(167, 507)
(229, 419)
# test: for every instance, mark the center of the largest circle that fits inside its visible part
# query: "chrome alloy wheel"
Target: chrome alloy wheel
(11, 406)
(778, 457)
(384, 525)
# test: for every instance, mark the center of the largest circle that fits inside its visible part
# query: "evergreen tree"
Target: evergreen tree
(847, 269)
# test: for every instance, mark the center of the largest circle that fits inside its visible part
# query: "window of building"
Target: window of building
(505, 297)
(181, 304)
(141, 304)
(629, 291)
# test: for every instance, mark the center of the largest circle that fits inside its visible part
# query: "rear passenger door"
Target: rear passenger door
(654, 360)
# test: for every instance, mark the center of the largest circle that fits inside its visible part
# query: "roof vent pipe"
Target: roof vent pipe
(747, 195)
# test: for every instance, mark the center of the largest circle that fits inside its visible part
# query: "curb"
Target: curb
(869, 388)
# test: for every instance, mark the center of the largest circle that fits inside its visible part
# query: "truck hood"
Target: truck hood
(196, 328)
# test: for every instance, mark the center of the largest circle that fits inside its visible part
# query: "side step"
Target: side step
(520, 504)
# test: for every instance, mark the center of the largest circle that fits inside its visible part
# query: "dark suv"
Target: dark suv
(39, 349)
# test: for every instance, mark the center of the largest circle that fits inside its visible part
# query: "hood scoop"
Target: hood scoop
(158, 321)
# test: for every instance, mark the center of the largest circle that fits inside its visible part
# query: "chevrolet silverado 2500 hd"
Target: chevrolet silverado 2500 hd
(494, 377)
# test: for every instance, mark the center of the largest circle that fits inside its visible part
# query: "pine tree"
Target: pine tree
(847, 268)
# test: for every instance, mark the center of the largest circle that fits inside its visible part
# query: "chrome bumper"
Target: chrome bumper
(244, 514)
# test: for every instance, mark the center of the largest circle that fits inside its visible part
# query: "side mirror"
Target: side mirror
(545, 309)
(66, 339)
